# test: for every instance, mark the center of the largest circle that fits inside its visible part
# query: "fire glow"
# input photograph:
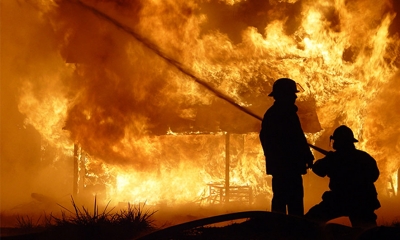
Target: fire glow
(146, 90)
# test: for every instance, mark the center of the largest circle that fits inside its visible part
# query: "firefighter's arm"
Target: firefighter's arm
(320, 167)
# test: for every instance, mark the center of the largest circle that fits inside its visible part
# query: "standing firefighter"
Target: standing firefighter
(352, 175)
(287, 154)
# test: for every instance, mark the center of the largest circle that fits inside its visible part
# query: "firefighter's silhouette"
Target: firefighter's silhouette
(287, 154)
(352, 174)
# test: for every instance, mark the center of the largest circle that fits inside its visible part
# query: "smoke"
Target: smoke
(121, 86)
(126, 93)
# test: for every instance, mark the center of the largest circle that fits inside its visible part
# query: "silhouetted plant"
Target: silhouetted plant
(83, 224)
(83, 216)
(135, 217)
(27, 223)
(396, 222)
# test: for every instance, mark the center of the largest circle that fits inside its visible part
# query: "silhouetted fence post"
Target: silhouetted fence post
(227, 164)
(76, 171)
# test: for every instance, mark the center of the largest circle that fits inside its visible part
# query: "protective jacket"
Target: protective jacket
(282, 138)
(352, 174)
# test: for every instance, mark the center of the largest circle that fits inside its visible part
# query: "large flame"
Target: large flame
(149, 89)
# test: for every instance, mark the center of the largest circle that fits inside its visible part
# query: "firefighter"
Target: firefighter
(287, 154)
(352, 174)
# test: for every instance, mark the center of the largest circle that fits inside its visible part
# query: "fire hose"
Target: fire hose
(148, 44)
(166, 233)
(261, 217)
(323, 151)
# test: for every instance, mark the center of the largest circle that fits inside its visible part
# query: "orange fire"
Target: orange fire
(149, 90)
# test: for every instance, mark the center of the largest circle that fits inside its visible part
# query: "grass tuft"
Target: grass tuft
(80, 223)
(83, 217)
(396, 222)
(135, 217)
(27, 223)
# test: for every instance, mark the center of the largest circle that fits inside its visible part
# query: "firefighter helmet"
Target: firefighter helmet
(343, 133)
(284, 86)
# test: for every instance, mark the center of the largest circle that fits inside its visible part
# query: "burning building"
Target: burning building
(160, 101)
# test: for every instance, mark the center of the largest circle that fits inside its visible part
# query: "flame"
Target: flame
(146, 88)
(180, 174)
